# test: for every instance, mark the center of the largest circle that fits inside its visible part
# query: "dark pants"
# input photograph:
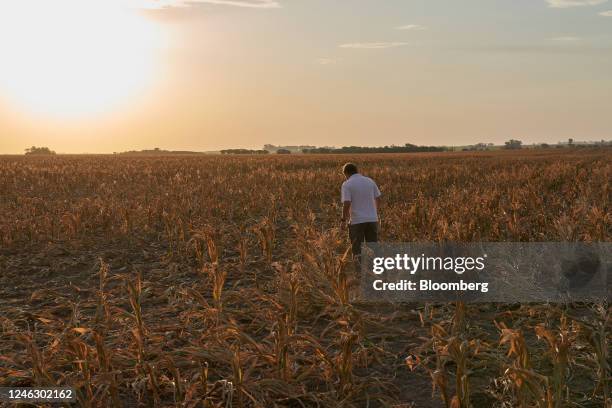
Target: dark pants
(367, 231)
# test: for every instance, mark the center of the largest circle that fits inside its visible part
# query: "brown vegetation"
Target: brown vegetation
(225, 281)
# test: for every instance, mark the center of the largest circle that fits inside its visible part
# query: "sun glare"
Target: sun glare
(73, 57)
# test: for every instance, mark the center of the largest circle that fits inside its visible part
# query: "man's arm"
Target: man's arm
(376, 197)
(346, 211)
(346, 202)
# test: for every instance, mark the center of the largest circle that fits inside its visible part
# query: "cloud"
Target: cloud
(558, 48)
(606, 13)
(565, 38)
(413, 27)
(373, 45)
(326, 61)
(573, 3)
(163, 4)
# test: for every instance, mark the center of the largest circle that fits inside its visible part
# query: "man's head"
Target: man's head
(349, 169)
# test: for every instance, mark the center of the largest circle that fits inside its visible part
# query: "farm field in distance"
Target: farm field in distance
(223, 281)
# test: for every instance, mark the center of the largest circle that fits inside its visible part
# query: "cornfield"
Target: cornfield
(208, 281)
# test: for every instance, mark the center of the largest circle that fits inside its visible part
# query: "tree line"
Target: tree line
(407, 148)
(243, 151)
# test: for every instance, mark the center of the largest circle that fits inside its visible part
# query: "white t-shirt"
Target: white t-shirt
(361, 192)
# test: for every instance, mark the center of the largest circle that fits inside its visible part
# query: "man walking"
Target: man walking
(360, 196)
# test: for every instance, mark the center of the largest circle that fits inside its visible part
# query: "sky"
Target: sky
(92, 76)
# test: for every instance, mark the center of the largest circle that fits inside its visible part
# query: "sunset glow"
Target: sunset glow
(73, 58)
(101, 76)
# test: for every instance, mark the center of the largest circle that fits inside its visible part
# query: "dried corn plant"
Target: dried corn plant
(208, 281)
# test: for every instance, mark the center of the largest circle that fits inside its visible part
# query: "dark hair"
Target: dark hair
(349, 168)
